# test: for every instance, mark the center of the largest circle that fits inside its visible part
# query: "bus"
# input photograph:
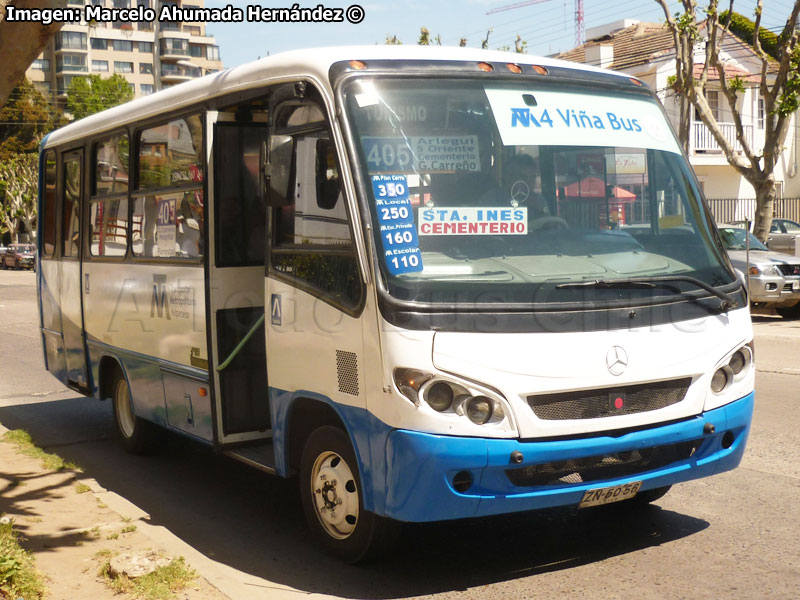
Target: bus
(430, 283)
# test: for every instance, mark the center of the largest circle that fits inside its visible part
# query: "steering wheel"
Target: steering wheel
(548, 223)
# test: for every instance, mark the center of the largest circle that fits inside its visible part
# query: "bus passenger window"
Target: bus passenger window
(168, 208)
(108, 208)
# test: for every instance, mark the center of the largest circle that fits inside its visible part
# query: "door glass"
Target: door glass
(70, 238)
(240, 206)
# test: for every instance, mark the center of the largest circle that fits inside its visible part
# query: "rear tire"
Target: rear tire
(134, 433)
(333, 500)
(790, 312)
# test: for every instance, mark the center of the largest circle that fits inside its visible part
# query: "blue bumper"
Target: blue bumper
(420, 467)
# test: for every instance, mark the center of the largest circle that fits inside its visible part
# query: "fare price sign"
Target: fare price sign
(396, 220)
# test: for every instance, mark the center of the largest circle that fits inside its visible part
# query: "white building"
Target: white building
(150, 55)
(645, 50)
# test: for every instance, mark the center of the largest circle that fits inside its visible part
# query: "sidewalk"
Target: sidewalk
(72, 526)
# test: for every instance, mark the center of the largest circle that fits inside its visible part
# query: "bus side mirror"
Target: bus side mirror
(278, 170)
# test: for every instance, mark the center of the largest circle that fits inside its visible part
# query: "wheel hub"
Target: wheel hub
(335, 495)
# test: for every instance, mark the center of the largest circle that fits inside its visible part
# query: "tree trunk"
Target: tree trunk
(21, 43)
(765, 202)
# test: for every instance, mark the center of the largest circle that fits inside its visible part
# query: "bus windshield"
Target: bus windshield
(500, 192)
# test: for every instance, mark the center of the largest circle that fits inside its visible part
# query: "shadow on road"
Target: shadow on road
(254, 522)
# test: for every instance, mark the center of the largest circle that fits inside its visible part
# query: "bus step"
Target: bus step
(261, 456)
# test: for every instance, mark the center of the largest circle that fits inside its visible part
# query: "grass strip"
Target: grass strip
(18, 575)
(21, 439)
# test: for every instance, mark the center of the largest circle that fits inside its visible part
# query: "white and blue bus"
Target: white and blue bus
(432, 283)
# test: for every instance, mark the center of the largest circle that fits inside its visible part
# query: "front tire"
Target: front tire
(133, 432)
(333, 500)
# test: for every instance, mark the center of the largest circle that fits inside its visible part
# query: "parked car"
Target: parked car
(19, 256)
(774, 277)
(782, 234)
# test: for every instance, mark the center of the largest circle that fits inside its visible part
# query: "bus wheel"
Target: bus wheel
(132, 431)
(332, 496)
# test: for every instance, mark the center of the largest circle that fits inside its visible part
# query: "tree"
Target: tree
(20, 43)
(89, 95)
(25, 119)
(19, 181)
(779, 87)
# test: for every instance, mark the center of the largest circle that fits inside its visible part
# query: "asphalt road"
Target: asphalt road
(730, 536)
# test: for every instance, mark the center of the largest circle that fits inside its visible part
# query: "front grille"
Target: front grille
(609, 402)
(789, 269)
(607, 466)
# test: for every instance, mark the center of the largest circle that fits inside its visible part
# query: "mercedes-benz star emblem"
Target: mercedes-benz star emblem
(616, 360)
(520, 191)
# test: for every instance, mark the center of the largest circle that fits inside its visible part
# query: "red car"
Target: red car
(19, 256)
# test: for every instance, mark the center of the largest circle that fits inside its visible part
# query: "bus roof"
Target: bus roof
(314, 63)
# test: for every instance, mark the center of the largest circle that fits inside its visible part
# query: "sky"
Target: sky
(548, 26)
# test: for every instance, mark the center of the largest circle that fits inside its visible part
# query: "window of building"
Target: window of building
(121, 3)
(100, 65)
(193, 29)
(43, 64)
(168, 206)
(147, 89)
(196, 50)
(123, 67)
(71, 62)
(761, 113)
(70, 40)
(213, 53)
(175, 46)
(98, 2)
(122, 45)
(99, 44)
(145, 46)
(146, 68)
(64, 82)
(713, 102)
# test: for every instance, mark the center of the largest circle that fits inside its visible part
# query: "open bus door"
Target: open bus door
(235, 279)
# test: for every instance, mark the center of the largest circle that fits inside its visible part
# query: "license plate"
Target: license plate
(610, 494)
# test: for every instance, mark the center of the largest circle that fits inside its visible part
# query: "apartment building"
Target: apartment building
(150, 55)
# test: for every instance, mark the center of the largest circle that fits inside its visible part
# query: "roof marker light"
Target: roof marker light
(540, 69)
(358, 65)
(486, 67)
(514, 68)
(635, 81)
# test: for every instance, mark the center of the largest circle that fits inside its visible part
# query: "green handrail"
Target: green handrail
(241, 344)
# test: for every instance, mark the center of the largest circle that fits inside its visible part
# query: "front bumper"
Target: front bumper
(774, 289)
(421, 467)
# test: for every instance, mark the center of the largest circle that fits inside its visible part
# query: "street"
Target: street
(734, 535)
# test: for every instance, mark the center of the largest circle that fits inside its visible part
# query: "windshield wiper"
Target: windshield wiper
(650, 282)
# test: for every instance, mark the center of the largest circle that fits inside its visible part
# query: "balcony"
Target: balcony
(173, 49)
(702, 142)
(176, 73)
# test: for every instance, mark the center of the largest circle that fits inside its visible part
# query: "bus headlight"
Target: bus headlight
(449, 398)
(721, 378)
(439, 396)
(479, 409)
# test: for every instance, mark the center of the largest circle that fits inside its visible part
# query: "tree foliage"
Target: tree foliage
(779, 87)
(19, 179)
(89, 95)
(25, 119)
